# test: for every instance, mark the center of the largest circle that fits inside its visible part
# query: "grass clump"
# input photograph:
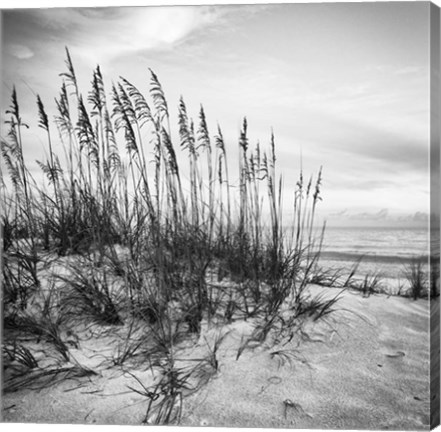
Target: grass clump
(417, 279)
(88, 294)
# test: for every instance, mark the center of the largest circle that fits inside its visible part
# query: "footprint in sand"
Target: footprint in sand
(397, 354)
(296, 408)
(274, 380)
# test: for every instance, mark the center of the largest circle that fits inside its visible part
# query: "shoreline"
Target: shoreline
(370, 257)
(390, 277)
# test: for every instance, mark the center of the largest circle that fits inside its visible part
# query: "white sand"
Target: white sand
(366, 368)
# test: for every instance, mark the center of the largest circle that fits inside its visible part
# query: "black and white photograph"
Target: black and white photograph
(221, 215)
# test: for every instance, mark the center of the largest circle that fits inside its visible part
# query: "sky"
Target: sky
(344, 86)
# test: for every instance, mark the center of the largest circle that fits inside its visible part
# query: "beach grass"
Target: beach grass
(131, 244)
(417, 279)
(138, 228)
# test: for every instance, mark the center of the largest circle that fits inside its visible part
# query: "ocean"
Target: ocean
(383, 251)
(387, 244)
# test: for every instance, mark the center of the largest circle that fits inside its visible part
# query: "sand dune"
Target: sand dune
(365, 367)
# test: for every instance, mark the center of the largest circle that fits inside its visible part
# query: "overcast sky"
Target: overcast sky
(345, 86)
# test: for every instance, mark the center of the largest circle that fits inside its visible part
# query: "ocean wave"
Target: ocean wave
(371, 257)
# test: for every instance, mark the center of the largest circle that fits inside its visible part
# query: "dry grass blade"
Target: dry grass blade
(288, 356)
(18, 353)
(39, 379)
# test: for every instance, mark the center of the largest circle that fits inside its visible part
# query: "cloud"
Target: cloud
(381, 218)
(415, 217)
(393, 69)
(21, 52)
(377, 146)
(381, 215)
(420, 216)
(104, 34)
(339, 213)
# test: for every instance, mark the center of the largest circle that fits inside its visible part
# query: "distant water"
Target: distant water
(386, 251)
(378, 244)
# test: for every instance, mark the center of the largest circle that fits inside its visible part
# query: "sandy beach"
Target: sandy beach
(366, 366)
